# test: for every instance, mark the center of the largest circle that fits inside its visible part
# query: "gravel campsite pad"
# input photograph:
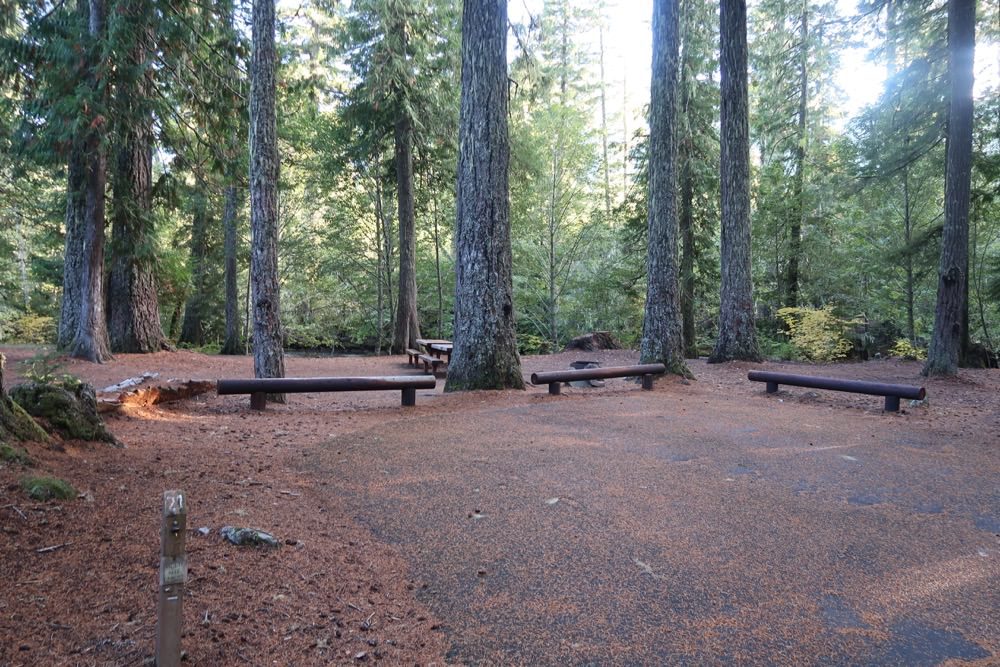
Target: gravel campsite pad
(701, 522)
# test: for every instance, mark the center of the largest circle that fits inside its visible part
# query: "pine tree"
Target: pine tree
(662, 339)
(133, 308)
(950, 317)
(485, 348)
(268, 355)
(737, 333)
(90, 341)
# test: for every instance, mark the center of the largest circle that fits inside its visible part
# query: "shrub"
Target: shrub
(31, 329)
(904, 349)
(17, 455)
(47, 488)
(816, 333)
(532, 344)
(44, 368)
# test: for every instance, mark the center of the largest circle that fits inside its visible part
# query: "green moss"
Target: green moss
(47, 488)
(18, 424)
(69, 408)
(10, 454)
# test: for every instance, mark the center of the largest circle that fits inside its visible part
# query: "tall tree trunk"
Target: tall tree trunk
(75, 223)
(604, 122)
(437, 265)
(687, 258)
(23, 252)
(662, 327)
(233, 343)
(133, 306)
(737, 332)
(911, 330)
(196, 308)
(485, 344)
(685, 156)
(798, 179)
(407, 316)
(268, 355)
(943, 355)
(90, 341)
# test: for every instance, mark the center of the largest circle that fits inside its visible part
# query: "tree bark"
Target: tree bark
(685, 155)
(485, 344)
(662, 339)
(407, 316)
(75, 223)
(196, 308)
(943, 355)
(233, 343)
(737, 331)
(90, 341)
(133, 306)
(268, 355)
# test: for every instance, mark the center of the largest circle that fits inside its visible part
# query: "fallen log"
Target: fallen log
(174, 390)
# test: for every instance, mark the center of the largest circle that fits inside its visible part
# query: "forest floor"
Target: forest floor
(703, 522)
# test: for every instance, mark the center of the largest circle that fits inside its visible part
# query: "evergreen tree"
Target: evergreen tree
(951, 315)
(485, 348)
(133, 309)
(268, 355)
(661, 330)
(737, 331)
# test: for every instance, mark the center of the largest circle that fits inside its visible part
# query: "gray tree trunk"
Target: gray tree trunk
(798, 179)
(233, 343)
(133, 306)
(72, 294)
(268, 355)
(949, 320)
(197, 305)
(661, 327)
(90, 341)
(737, 331)
(685, 157)
(485, 344)
(407, 318)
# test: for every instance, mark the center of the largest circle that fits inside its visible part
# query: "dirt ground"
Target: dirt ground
(704, 522)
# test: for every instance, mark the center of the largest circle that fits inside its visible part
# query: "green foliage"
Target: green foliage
(30, 329)
(16, 455)
(308, 336)
(48, 488)
(904, 349)
(775, 345)
(532, 344)
(45, 366)
(816, 333)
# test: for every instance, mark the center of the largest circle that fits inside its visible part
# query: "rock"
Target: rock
(598, 340)
(248, 537)
(68, 407)
(204, 531)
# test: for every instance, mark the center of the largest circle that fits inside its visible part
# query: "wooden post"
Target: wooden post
(258, 401)
(173, 575)
(647, 382)
(409, 396)
(554, 388)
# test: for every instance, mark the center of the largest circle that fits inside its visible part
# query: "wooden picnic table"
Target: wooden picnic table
(436, 347)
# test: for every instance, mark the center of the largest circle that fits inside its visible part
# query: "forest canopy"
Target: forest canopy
(846, 198)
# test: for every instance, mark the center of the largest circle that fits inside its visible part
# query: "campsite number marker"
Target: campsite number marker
(173, 575)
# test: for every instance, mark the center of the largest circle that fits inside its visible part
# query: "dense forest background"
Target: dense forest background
(847, 210)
